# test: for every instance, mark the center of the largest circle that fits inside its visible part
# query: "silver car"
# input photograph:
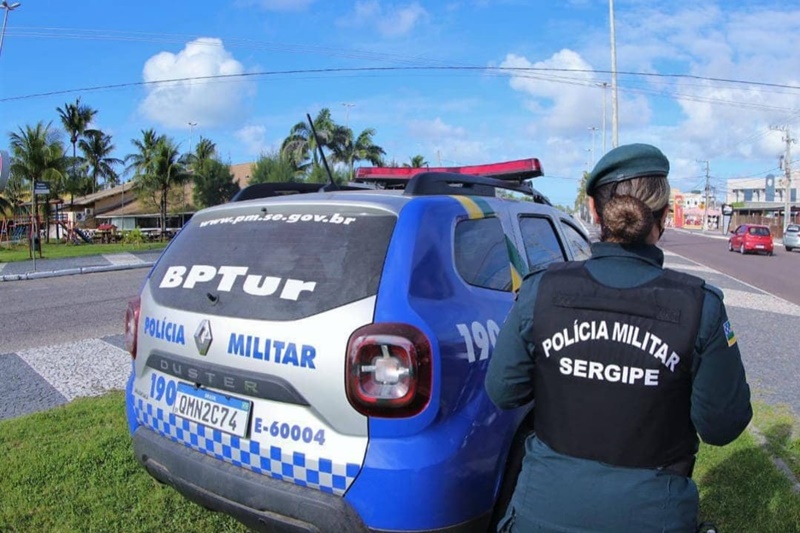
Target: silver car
(791, 237)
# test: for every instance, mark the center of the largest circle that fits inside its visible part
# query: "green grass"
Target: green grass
(60, 250)
(71, 469)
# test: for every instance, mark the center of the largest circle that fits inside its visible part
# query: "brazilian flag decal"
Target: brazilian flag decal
(730, 336)
(518, 267)
(479, 208)
(476, 207)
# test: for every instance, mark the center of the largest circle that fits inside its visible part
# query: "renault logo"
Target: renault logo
(202, 337)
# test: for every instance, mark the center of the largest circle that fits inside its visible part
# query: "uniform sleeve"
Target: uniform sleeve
(721, 406)
(509, 378)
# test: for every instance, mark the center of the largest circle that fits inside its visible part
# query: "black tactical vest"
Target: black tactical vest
(613, 367)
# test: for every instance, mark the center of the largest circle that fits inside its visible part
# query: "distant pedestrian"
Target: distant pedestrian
(626, 361)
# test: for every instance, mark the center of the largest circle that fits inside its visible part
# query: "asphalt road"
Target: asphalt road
(777, 274)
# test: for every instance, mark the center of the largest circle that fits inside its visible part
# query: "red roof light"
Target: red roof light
(518, 170)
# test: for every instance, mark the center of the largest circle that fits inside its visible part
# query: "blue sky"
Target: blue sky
(460, 82)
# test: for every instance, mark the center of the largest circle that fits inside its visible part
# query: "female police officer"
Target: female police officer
(627, 362)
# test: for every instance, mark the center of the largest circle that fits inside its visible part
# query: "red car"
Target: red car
(751, 238)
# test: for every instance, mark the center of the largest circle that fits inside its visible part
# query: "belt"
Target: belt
(681, 467)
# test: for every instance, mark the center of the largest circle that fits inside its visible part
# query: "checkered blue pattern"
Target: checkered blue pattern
(322, 474)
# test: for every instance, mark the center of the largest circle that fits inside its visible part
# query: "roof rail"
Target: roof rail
(266, 190)
(431, 183)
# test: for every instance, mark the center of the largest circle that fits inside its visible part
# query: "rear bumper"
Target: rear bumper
(256, 500)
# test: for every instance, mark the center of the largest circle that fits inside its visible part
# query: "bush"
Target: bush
(134, 236)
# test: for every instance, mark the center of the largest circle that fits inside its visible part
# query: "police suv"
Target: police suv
(315, 361)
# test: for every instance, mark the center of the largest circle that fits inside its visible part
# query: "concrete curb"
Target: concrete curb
(74, 271)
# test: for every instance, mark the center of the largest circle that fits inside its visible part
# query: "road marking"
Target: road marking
(123, 258)
(757, 300)
(84, 368)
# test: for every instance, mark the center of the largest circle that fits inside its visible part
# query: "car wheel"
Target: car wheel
(788, 248)
(741, 249)
(771, 253)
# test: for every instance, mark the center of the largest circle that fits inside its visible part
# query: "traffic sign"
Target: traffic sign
(41, 187)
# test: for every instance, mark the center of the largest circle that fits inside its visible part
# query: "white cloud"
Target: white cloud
(393, 21)
(253, 139)
(567, 103)
(449, 145)
(278, 5)
(708, 119)
(210, 103)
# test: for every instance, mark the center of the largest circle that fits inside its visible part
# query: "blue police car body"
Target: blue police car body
(390, 428)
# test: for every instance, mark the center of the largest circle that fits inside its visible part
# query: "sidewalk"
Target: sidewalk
(48, 268)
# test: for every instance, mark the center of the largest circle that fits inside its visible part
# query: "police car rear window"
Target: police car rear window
(285, 263)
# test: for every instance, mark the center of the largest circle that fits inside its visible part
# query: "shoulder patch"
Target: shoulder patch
(730, 336)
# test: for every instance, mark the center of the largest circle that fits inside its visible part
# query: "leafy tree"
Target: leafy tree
(213, 183)
(76, 119)
(38, 155)
(417, 161)
(301, 145)
(348, 151)
(273, 168)
(97, 148)
(320, 175)
(580, 199)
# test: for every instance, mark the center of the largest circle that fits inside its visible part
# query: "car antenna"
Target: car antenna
(331, 185)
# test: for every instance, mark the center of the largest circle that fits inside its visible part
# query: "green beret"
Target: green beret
(625, 163)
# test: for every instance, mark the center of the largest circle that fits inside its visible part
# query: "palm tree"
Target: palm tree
(159, 167)
(348, 152)
(417, 161)
(205, 150)
(97, 148)
(38, 155)
(141, 161)
(76, 119)
(301, 145)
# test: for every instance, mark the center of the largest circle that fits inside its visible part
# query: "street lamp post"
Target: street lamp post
(183, 187)
(191, 135)
(592, 129)
(347, 107)
(8, 8)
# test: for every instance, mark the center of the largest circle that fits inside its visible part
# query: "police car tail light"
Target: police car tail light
(132, 325)
(388, 370)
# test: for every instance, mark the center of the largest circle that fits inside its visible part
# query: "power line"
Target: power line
(351, 70)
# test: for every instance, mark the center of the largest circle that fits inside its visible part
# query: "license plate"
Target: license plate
(759, 246)
(212, 409)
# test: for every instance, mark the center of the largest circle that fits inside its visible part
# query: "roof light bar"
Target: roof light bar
(518, 170)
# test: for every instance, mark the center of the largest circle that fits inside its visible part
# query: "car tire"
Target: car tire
(788, 248)
(730, 246)
(741, 249)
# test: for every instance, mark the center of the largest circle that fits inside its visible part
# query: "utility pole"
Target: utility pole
(787, 169)
(614, 110)
(705, 198)
(605, 85)
(591, 159)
